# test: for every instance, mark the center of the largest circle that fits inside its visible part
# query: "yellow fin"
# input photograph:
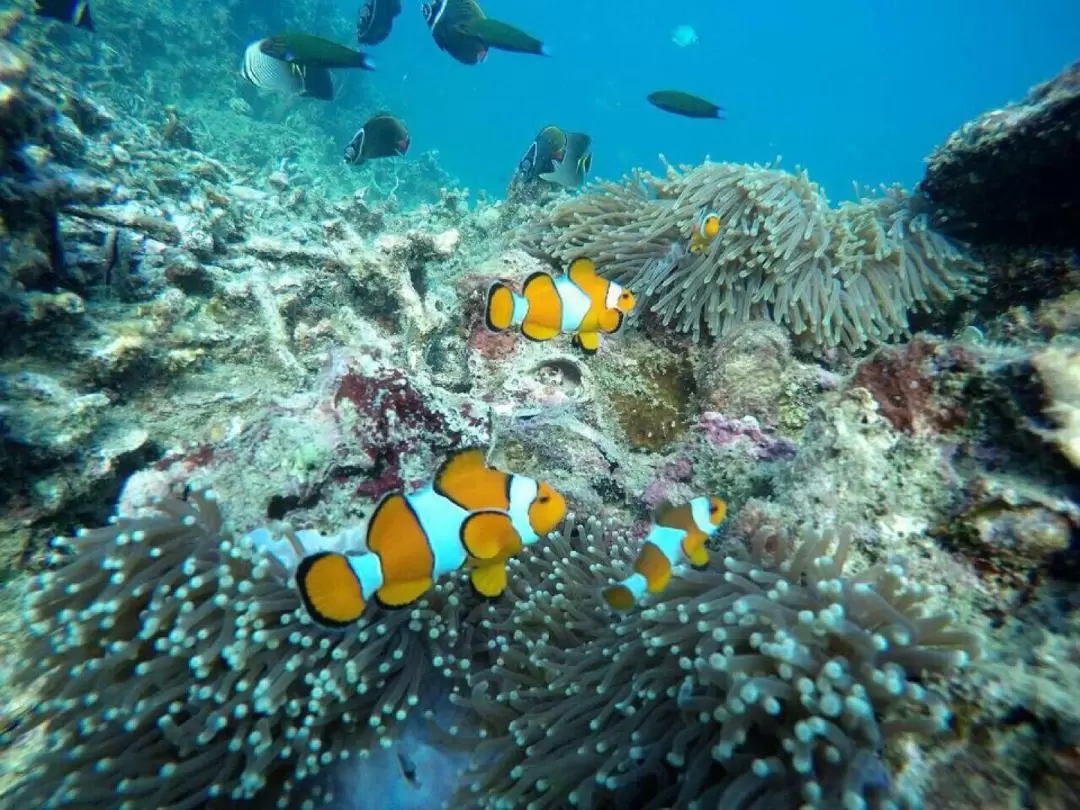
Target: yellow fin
(489, 535)
(499, 311)
(489, 580)
(465, 479)
(399, 594)
(582, 271)
(618, 597)
(698, 555)
(589, 342)
(329, 589)
(610, 321)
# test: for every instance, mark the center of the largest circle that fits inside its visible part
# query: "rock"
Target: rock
(1011, 175)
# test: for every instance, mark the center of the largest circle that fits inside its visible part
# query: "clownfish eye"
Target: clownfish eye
(713, 509)
(543, 498)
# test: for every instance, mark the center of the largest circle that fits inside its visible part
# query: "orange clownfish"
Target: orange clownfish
(678, 533)
(469, 515)
(580, 303)
(705, 230)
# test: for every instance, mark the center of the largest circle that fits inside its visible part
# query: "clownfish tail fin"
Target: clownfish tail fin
(500, 308)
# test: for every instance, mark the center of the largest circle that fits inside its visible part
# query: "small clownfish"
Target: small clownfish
(705, 230)
(580, 303)
(469, 515)
(678, 533)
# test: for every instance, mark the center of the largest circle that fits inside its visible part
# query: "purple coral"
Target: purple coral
(722, 431)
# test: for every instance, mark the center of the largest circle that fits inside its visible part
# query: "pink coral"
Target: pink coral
(722, 431)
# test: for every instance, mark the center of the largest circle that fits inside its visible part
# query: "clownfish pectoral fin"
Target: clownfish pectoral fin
(330, 590)
(466, 480)
(489, 534)
(610, 321)
(499, 309)
(489, 581)
(545, 307)
(588, 342)
(698, 556)
(400, 594)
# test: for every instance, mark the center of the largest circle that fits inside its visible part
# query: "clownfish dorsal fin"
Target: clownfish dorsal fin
(663, 510)
(466, 480)
(489, 534)
(582, 271)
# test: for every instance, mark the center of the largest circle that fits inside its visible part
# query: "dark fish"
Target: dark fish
(313, 51)
(548, 146)
(69, 11)
(680, 103)
(285, 77)
(375, 20)
(505, 37)
(381, 136)
(447, 20)
(576, 162)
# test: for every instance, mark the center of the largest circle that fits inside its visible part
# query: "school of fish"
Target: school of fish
(471, 516)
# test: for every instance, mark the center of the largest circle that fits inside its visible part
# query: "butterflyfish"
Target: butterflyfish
(685, 104)
(505, 37)
(580, 303)
(576, 162)
(678, 534)
(269, 73)
(312, 51)
(375, 20)
(471, 515)
(548, 146)
(381, 136)
(706, 228)
(448, 21)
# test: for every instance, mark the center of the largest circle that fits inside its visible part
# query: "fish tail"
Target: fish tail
(502, 306)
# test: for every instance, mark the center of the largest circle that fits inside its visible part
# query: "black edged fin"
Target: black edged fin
(302, 571)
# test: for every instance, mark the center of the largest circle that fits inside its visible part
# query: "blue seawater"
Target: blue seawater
(852, 90)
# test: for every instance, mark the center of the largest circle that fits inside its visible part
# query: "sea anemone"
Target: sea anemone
(771, 680)
(834, 276)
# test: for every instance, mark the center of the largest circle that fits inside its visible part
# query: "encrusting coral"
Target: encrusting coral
(772, 681)
(172, 664)
(835, 276)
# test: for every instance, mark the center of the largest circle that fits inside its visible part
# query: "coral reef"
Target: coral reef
(833, 276)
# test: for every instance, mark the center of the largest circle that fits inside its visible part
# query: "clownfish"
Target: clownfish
(678, 533)
(705, 230)
(469, 515)
(580, 303)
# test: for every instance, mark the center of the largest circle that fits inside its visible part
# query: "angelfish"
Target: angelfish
(375, 20)
(548, 146)
(470, 516)
(448, 21)
(381, 136)
(678, 534)
(76, 12)
(576, 162)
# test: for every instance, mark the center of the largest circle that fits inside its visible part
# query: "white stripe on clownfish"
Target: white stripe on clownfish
(575, 304)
